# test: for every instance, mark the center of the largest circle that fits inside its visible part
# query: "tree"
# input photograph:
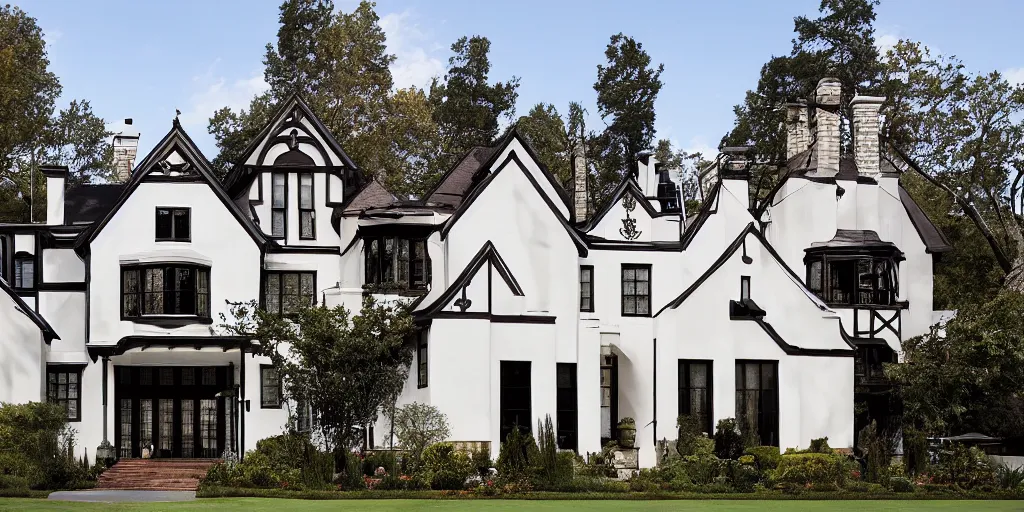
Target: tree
(840, 43)
(467, 107)
(404, 166)
(626, 90)
(419, 426)
(966, 376)
(544, 129)
(346, 368)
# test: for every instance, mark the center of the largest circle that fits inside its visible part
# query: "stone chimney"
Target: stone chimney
(798, 129)
(126, 144)
(56, 183)
(579, 175)
(865, 134)
(826, 115)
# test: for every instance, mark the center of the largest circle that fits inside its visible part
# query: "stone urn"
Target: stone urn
(627, 433)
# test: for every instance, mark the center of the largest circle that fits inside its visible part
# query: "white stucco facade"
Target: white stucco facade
(524, 310)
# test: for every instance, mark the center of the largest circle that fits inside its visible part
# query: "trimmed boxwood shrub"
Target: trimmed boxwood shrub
(811, 469)
(765, 457)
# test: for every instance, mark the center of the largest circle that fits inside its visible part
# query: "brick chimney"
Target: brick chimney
(865, 134)
(56, 183)
(826, 115)
(798, 130)
(126, 144)
(579, 175)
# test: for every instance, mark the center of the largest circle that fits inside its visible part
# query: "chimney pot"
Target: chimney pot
(865, 134)
(798, 129)
(128, 120)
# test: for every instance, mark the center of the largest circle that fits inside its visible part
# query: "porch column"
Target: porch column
(105, 451)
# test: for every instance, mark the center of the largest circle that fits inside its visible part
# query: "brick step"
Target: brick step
(155, 474)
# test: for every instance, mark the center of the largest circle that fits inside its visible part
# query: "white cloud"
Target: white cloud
(415, 62)
(700, 145)
(213, 91)
(886, 41)
(1014, 75)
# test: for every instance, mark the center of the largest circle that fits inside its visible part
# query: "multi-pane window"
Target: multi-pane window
(287, 292)
(869, 363)
(278, 204)
(270, 387)
(636, 290)
(421, 359)
(586, 288)
(516, 404)
(173, 224)
(307, 231)
(853, 281)
(63, 387)
(165, 290)
(566, 406)
(757, 400)
(695, 392)
(400, 262)
(24, 271)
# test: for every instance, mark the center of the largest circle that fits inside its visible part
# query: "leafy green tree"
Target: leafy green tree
(966, 376)
(467, 107)
(418, 426)
(412, 138)
(544, 129)
(627, 87)
(346, 368)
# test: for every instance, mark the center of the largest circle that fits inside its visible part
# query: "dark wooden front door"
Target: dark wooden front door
(174, 409)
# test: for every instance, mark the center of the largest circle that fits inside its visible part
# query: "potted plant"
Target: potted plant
(627, 432)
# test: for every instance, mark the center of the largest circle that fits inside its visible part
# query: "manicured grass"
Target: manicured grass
(279, 505)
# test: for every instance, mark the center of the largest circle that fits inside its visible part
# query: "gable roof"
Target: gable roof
(576, 237)
(452, 188)
(728, 253)
(48, 333)
(708, 208)
(373, 195)
(178, 141)
(89, 203)
(628, 185)
(487, 254)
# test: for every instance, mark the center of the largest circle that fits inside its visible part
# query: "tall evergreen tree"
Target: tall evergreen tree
(467, 107)
(627, 87)
(544, 129)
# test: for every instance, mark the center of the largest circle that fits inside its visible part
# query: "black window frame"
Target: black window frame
(281, 275)
(173, 211)
(566, 407)
(270, 402)
(282, 210)
(869, 363)
(744, 288)
(375, 271)
(687, 389)
(307, 213)
(767, 420)
(142, 292)
(53, 388)
(587, 299)
(823, 278)
(636, 295)
(422, 359)
(21, 258)
(513, 389)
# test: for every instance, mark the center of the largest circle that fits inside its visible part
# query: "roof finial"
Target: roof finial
(176, 123)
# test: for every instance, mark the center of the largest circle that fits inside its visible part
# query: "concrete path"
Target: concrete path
(109, 496)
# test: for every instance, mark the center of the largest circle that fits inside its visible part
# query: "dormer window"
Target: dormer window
(173, 225)
(396, 263)
(855, 268)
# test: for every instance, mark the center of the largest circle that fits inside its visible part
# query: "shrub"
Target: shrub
(877, 447)
(376, 460)
(805, 469)
(901, 484)
(819, 445)
(352, 478)
(765, 457)
(517, 454)
(1010, 478)
(447, 469)
(483, 463)
(36, 445)
(915, 451)
(743, 477)
(13, 482)
(547, 448)
(418, 426)
(728, 439)
(692, 440)
(966, 467)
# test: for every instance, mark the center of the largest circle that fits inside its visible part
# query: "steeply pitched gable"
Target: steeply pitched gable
(487, 255)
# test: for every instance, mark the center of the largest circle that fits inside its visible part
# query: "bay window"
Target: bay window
(397, 262)
(165, 289)
(854, 268)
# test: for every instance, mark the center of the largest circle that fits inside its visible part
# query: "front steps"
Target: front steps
(155, 474)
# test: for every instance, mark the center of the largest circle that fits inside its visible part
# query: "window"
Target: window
(868, 364)
(587, 288)
(421, 358)
(853, 281)
(636, 290)
(278, 204)
(165, 290)
(695, 392)
(744, 288)
(307, 230)
(24, 270)
(173, 224)
(398, 262)
(515, 397)
(757, 399)
(270, 387)
(566, 407)
(287, 292)
(63, 387)
(609, 395)
(303, 416)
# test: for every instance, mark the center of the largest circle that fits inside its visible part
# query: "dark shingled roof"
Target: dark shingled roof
(373, 195)
(934, 240)
(89, 203)
(458, 181)
(854, 238)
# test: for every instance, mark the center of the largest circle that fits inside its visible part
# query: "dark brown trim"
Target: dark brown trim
(304, 249)
(312, 202)
(487, 254)
(48, 333)
(707, 209)
(171, 210)
(59, 368)
(166, 319)
(280, 389)
(587, 268)
(798, 351)
(280, 288)
(628, 185)
(62, 287)
(144, 342)
(498, 319)
(602, 245)
(274, 209)
(650, 289)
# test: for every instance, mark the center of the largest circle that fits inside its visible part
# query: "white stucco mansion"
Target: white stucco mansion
(527, 305)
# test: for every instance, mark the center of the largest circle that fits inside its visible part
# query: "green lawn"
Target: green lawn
(282, 505)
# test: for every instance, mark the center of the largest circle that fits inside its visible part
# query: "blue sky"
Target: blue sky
(144, 59)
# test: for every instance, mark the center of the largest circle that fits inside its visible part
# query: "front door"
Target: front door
(174, 411)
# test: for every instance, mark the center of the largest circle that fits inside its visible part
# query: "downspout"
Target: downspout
(655, 388)
(242, 403)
